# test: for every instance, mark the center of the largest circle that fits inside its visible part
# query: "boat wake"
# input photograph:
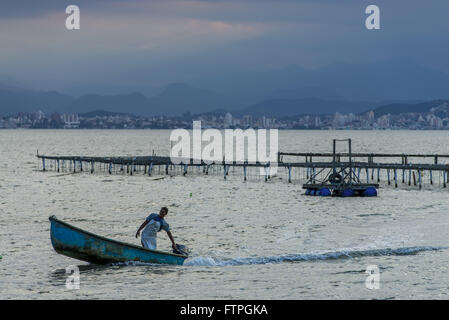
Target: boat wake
(330, 255)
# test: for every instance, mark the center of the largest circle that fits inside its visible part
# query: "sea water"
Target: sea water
(248, 240)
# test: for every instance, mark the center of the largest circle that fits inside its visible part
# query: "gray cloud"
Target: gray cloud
(150, 43)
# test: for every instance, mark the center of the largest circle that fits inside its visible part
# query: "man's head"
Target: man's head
(163, 212)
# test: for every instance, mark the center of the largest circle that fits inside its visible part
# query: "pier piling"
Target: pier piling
(444, 178)
(395, 179)
(419, 178)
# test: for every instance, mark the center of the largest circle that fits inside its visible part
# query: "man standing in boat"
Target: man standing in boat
(153, 224)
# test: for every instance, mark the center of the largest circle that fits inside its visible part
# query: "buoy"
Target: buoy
(307, 192)
(370, 192)
(324, 192)
(335, 178)
(347, 193)
(312, 192)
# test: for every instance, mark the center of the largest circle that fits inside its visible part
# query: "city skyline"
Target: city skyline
(435, 118)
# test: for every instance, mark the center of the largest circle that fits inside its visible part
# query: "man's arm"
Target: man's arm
(141, 227)
(172, 240)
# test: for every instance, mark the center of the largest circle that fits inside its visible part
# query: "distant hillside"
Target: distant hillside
(394, 79)
(14, 100)
(304, 93)
(292, 90)
(179, 98)
(292, 107)
(398, 108)
(103, 113)
(175, 99)
(134, 103)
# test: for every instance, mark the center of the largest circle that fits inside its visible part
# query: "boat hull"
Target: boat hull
(83, 245)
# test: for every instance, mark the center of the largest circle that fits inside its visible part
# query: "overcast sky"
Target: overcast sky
(125, 44)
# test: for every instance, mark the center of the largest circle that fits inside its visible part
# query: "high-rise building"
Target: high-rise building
(70, 120)
(228, 119)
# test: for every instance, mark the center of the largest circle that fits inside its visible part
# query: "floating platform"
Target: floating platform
(326, 190)
(341, 180)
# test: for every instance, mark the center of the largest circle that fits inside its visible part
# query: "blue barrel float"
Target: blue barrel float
(324, 192)
(347, 193)
(370, 192)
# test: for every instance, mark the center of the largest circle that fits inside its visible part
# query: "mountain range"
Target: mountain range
(394, 79)
(292, 90)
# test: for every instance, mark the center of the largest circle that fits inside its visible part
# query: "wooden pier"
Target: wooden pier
(367, 167)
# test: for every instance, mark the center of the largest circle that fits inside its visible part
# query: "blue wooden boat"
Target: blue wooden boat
(79, 244)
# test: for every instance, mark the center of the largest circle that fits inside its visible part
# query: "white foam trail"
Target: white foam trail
(342, 254)
(134, 263)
